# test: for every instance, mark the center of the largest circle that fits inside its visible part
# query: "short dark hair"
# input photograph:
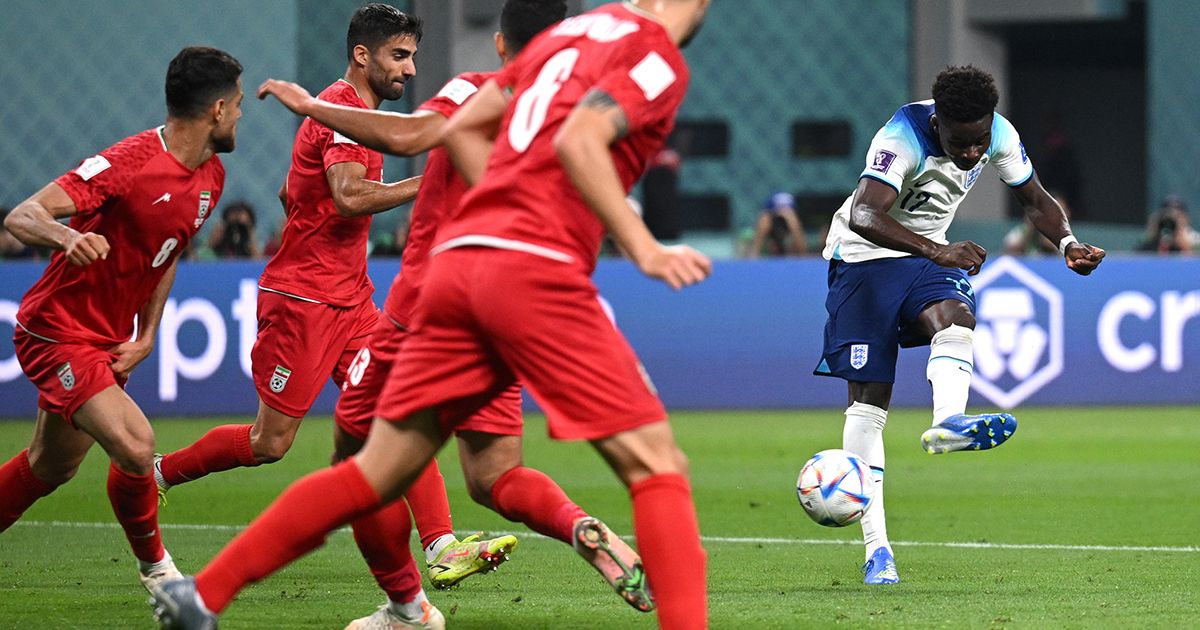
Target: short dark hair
(240, 204)
(522, 20)
(964, 94)
(375, 23)
(196, 77)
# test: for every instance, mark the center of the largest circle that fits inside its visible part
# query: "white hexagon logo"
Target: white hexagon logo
(1018, 333)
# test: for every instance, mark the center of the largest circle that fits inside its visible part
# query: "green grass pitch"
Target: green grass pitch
(1087, 518)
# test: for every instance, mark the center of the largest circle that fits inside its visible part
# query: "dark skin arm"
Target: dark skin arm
(35, 223)
(356, 196)
(389, 132)
(1048, 217)
(870, 220)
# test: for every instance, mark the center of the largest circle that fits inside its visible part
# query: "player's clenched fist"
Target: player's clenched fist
(677, 265)
(85, 249)
(1083, 258)
(961, 255)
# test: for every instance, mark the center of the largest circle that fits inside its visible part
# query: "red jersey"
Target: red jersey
(441, 190)
(323, 255)
(148, 206)
(526, 201)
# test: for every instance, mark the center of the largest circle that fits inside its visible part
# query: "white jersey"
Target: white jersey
(907, 156)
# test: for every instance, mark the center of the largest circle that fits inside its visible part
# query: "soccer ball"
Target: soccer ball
(835, 487)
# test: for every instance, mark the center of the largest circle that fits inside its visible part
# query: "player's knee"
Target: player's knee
(135, 457)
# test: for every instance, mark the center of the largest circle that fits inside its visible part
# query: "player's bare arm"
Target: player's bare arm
(389, 132)
(356, 196)
(131, 353)
(468, 134)
(35, 223)
(582, 146)
(869, 219)
(1048, 217)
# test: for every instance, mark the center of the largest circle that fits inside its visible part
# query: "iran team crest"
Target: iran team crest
(280, 378)
(66, 376)
(858, 355)
(202, 212)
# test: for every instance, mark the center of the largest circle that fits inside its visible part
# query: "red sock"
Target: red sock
(295, 524)
(134, 500)
(225, 447)
(430, 507)
(668, 537)
(528, 496)
(382, 537)
(19, 489)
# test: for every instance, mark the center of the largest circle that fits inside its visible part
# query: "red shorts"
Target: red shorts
(369, 371)
(488, 317)
(67, 375)
(300, 344)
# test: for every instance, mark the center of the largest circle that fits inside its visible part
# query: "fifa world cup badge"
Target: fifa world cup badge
(858, 355)
(205, 202)
(66, 376)
(280, 378)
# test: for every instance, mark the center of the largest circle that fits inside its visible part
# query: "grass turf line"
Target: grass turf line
(1106, 477)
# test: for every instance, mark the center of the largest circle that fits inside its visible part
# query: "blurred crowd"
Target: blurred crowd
(778, 231)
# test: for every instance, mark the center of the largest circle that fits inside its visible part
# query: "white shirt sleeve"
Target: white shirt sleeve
(1008, 153)
(894, 154)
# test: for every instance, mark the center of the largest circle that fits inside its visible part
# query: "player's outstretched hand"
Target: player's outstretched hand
(677, 265)
(85, 249)
(961, 255)
(290, 94)
(1083, 258)
(129, 355)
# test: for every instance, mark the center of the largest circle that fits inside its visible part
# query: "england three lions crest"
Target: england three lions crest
(858, 355)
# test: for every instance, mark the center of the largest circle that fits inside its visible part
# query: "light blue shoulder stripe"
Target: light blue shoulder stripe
(900, 127)
(1003, 135)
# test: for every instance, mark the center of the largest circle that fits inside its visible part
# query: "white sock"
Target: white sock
(949, 371)
(411, 609)
(436, 547)
(150, 567)
(863, 436)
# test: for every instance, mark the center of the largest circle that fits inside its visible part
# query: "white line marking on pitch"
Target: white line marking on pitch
(720, 539)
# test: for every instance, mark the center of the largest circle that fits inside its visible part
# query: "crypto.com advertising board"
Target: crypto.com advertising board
(748, 337)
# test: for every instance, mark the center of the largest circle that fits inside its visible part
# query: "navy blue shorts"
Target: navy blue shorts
(873, 308)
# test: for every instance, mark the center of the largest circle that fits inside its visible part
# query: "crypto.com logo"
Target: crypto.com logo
(1018, 334)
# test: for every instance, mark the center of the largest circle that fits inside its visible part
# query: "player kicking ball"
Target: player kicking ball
(895, 282)
(133, 208)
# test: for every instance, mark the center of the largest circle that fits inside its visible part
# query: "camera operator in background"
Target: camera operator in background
(1169, 230)
(233, 236)
(778, 231)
